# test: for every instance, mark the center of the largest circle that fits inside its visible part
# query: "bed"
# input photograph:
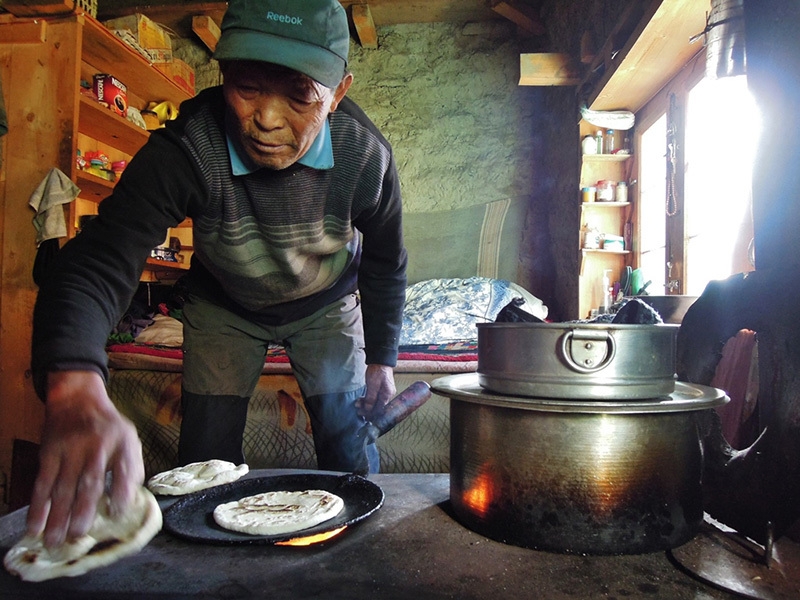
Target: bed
(439, 337)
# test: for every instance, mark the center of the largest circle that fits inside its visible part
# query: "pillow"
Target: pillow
(439, 311)
(165, 331)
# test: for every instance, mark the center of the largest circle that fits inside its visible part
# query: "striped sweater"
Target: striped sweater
(273, 246)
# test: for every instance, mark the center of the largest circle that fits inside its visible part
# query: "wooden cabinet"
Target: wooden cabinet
(606, 218)
(42, 64)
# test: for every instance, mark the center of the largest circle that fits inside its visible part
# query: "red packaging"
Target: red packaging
(111, 92)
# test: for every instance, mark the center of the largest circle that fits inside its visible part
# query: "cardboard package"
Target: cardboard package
(148, 35)
(180, 72)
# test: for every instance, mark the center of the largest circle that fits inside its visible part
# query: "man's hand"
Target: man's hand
(84, 436)
(380, 389)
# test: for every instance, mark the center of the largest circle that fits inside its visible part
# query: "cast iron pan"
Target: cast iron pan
(192, 518)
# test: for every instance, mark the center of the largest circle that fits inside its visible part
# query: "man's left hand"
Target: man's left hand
(380, 389)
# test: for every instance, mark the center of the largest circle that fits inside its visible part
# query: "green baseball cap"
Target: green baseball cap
(309, 36)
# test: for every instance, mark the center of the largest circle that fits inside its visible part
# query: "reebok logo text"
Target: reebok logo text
(284, 18)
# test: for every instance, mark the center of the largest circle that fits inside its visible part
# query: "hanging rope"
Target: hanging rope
(672, 142)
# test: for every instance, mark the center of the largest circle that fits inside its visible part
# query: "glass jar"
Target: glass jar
(611, 146)
(622, 192)
(605, 190)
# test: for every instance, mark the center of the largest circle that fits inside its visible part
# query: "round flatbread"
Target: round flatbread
(108, 540)
(195, 477)
(274, 513)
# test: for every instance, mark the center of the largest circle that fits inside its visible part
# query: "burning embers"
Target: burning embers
(310, 540)
(480, 495)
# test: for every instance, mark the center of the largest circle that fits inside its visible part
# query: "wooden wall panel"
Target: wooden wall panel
(39, 89)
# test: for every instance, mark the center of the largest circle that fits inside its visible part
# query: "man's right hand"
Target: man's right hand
(84, 436)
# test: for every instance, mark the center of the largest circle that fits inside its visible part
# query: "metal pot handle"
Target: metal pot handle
(591, 357)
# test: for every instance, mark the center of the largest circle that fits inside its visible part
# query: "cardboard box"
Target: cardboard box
(111, 92)
(613, 242)
(180, 72)
(149, 36)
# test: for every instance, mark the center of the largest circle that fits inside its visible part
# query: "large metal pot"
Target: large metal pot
(577, 360)
(577, 476)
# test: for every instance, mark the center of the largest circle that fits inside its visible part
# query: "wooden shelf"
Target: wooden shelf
(109, 54)
(101, 123)
(605, 204)
(166, 265)
(601, 251)
(93, 188)
(605, 157)
(600, 215)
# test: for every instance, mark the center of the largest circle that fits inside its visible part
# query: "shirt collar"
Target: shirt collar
(319, 155)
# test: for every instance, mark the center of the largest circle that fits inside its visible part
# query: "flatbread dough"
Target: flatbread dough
(274, 513)
(108, 540)
(195, 477)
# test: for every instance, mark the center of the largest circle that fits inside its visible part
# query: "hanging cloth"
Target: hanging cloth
(55, 190)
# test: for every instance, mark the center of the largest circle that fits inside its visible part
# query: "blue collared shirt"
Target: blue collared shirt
(319, 155)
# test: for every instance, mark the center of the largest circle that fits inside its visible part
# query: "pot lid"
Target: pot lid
(686, 397)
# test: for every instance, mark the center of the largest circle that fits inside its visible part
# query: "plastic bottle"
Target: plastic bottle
(610, 142)
(599, 138)
(606, 290)
(589, 145)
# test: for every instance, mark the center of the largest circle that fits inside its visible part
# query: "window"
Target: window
(696, 143)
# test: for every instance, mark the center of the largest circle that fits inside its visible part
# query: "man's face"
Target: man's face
(277, 112)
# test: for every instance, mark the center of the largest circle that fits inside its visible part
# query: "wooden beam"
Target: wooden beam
(521, 14)
(588, 52)
(24, 32)
(548, 69)
(657, 48)
(38, 8)
(365, 26)
(176, 14)
(207, 30)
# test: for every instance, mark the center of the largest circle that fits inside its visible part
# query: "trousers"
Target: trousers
(223, 356)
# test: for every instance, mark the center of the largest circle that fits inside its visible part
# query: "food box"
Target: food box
(111, 92)
(180, 72)
(613, 242)
(147, 34)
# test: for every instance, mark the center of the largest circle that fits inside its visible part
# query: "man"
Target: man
(296, 210)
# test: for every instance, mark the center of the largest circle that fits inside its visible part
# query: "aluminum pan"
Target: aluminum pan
(577, 360)
(686, 397)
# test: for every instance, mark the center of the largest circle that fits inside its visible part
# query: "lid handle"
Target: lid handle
(588, 351)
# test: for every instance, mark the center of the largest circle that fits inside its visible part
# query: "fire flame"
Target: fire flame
(480, 494)
(312, 539)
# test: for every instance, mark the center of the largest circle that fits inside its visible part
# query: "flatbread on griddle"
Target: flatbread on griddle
(195, 477)
(108, 540)
(274, 513)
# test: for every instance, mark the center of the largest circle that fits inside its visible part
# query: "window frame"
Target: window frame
(678, 89)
